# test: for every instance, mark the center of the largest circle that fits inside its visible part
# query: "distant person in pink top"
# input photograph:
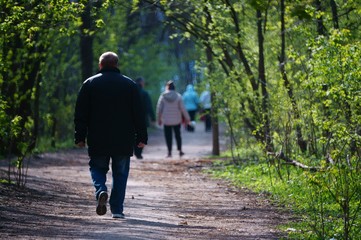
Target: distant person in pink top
(171, 113)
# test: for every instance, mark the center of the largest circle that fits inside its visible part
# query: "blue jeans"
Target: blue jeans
(99, 167)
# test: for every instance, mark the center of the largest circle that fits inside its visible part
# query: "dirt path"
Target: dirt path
(166, 199)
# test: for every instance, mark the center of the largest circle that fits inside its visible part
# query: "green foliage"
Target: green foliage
(327, 202)
(311, 97)
(5, 181)
(60, 85)
(142, 51)
(11, 129)
(333, 86)
(335, 197)
(29, 28)
(314, 101)
(5, 133)
(50, 144)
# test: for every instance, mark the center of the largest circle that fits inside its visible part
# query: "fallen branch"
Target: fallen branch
(289, 161)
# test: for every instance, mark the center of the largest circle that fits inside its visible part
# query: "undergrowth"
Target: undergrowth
(314, 198)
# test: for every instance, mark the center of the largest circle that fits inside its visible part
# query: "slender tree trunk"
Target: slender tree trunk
(86, 42)
(257, 118)
(239, 49)
(22, 106)
(53, 131)
(36, 111)
(282, 60)
(320, 27)
(334, 14)
(262, 77)
(214, 112)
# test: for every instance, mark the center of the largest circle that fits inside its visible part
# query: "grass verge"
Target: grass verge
(311, 197)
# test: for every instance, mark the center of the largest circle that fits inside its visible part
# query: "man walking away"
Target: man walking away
(108, 117)
(149, 112)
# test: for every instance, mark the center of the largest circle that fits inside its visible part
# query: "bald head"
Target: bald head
(108, 59)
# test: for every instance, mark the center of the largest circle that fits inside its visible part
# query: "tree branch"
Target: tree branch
(289, 161)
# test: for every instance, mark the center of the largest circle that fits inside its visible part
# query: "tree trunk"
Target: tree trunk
(262, 77)
(334, 14)
(320, 27)
(214, 111)
(19, 93)
(86, 42)
(239, 49)
(282, 60)
(53, 131)
(36, 107)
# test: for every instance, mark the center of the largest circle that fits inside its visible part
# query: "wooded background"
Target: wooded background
(284, 74)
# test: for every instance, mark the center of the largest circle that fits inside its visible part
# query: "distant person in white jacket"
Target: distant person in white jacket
(171, 113)
(205, 101)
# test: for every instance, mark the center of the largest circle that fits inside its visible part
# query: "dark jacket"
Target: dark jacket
(109, 114)
(148, 106)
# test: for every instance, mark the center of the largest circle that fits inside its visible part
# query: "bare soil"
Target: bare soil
(167, 198)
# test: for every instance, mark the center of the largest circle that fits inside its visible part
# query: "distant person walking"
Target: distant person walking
(205, 101)
(109, 116)
(149, 112)
(170, 112)
(191, 102)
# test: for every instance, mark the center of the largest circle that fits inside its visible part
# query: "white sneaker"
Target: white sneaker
(118, 215)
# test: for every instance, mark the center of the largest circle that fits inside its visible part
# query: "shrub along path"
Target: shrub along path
(166, 199)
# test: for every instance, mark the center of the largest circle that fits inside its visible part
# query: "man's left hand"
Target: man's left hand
(141, 145)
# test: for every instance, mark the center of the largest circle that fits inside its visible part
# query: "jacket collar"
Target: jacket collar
(109, 69)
